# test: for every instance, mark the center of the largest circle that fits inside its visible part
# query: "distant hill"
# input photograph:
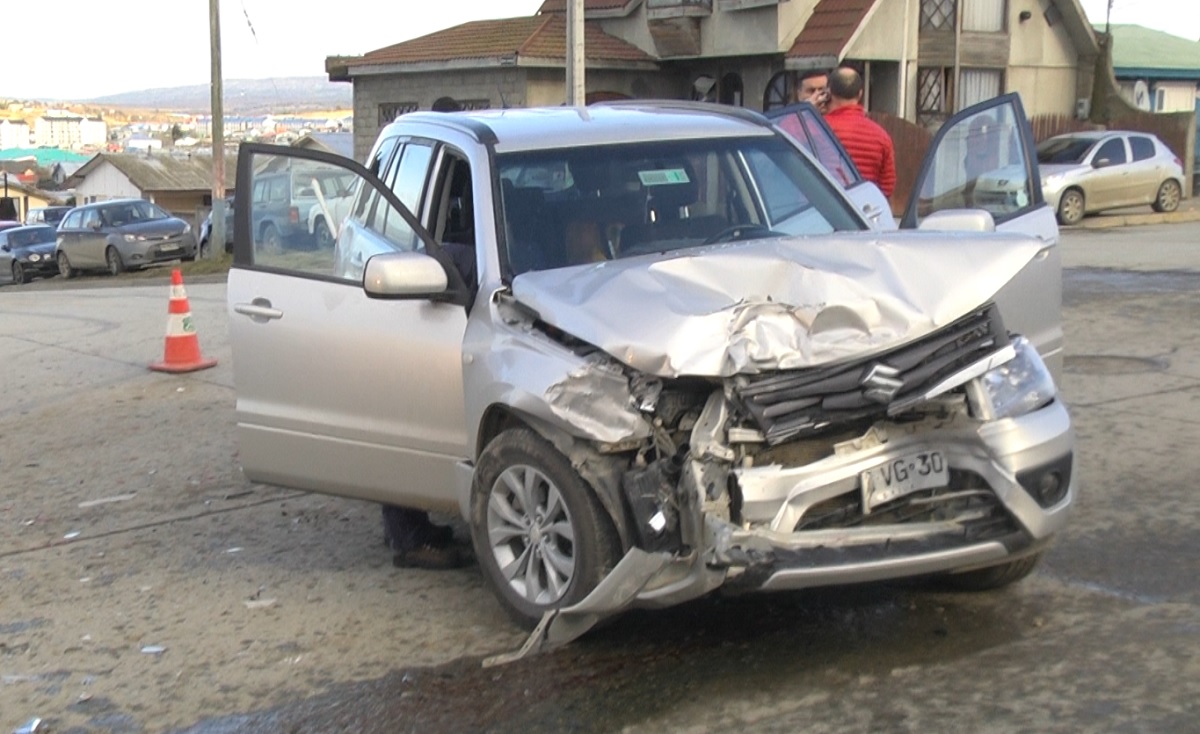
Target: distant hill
(242, 96)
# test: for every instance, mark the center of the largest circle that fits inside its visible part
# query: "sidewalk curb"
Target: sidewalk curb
(1130, 220)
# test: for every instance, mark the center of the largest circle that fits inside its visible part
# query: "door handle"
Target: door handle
(259, 310)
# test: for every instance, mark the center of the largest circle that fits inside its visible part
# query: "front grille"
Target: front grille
(785, 405)
(966, 499)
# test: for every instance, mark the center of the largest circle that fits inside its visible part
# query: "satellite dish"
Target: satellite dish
(1141, 95)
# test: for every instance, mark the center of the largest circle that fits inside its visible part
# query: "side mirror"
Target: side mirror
(6, 247)
(404, 275)
(959, 220)
(1101, 163)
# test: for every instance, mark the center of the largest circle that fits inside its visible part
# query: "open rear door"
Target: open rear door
(803, 122)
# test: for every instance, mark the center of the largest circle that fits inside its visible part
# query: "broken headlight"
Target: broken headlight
(1019, 386)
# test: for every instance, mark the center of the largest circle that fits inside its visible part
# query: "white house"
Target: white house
(14, 134)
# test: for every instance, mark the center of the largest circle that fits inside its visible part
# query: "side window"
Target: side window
(73, 221)
(807, 128)
(279, 237)
(453, 214)
(91, 218)
(278, 190)
(1113, 150)
(1143, 148)
(260, 192)
(408, 184)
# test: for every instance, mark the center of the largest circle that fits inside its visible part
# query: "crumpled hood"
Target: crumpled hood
(783, 303)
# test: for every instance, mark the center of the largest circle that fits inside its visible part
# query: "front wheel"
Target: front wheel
(542, 539)
(112, 258)
(64, 266)
(270, 242)
(1168, 196)
(993, 577)
(324, 236)
(1070, 207)
(18, 273)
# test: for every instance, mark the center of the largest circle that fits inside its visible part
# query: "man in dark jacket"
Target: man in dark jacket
(869, 145)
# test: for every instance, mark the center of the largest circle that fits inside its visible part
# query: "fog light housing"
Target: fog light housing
(1048, 483)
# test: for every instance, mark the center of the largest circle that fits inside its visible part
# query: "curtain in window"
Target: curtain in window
(977, 85)
(983, 15)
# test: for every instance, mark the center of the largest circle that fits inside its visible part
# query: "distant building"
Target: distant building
(70, 132)
(14, 134)
(181, 185)
(1156, 71)
(142, 144)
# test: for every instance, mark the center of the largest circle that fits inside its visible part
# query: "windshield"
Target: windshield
(134, 212)
(582, 205)
(1063, 150)
(27, 236)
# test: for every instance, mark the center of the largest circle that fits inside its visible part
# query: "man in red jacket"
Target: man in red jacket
(869, 145)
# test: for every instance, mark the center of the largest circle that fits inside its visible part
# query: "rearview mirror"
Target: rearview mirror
(404, 275)
(959, 220)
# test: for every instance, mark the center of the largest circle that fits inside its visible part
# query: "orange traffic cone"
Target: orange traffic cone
(182, 350)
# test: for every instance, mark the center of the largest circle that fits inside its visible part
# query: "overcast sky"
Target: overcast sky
(91, 48)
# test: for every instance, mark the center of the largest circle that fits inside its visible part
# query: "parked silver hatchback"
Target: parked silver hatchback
(1089, 172)
(120, 235)
(652, 350)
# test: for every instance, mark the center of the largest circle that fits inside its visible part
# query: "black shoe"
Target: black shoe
(433, 557)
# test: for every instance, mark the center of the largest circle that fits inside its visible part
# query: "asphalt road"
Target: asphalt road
(280, 611)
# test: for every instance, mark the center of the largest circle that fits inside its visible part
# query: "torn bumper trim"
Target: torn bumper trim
(918, 565)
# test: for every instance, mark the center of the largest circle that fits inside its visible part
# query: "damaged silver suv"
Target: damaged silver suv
(649, 350)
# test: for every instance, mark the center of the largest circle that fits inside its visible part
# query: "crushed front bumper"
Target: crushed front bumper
(1020, 467)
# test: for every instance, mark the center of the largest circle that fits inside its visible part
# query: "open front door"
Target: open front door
(803, 123)
(985, 158)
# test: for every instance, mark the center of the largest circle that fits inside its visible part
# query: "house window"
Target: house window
(389, 111)
(731, 89)
(937, 14)
(933, 91)
(1160, 100)
(977, 85)
(475, 104)
(984, 16)
(779, 91)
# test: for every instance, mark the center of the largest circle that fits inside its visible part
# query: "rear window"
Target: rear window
(1143, 148)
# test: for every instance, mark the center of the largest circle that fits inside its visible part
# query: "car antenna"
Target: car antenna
(503, 101)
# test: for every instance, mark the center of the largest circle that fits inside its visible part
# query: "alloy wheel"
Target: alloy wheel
(530, 533)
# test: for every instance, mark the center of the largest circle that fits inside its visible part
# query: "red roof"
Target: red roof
(537, 37)
(830, 28)
(560, 6)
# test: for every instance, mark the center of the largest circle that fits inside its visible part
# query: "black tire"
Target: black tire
(270, 241)
(565, 570)
(113, 260)
(1071, 207)
(64, 266)
(993, 577)
(323, 236)
(18, 273)
(1169, 194)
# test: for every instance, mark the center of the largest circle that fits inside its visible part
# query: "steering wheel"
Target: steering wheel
(740, 232)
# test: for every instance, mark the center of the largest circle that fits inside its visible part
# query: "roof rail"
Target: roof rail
(740, 113)
(475, 128)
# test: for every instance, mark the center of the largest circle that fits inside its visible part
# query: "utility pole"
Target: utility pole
(216, 237)
(576, 88)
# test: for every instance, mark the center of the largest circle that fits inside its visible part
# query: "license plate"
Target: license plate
(903, 476)
(168, 248)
